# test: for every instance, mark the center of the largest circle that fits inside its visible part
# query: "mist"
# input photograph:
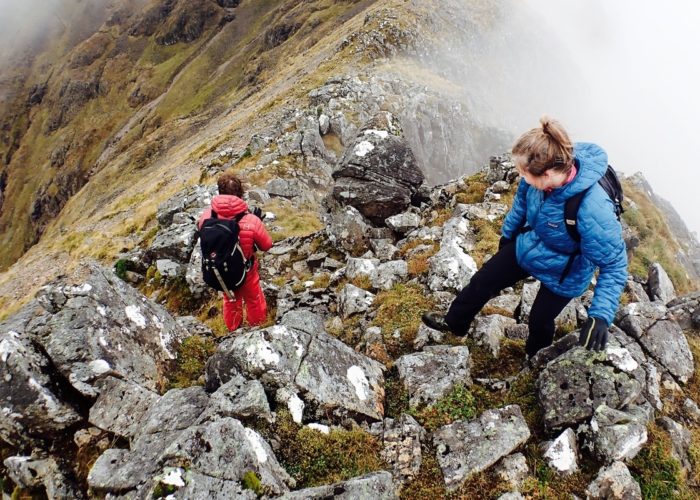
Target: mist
(639, 100)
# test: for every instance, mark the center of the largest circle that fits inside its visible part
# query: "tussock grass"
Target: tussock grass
(292, 221)
(192, 355)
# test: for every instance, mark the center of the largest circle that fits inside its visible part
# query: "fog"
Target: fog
(641, 72)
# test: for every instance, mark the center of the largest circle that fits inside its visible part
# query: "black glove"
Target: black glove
(503, 242)
(257, 211)
(594, 334)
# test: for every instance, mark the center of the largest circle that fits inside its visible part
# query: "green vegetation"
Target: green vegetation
(313, 458)
(120, 268)
(458, 404)
(487, 236)
(252, 482)
(400, 309)
(475, 190)
(656, 244)
(192, 355)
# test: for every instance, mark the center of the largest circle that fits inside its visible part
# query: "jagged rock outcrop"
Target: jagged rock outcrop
(378, 173)
(321, 370)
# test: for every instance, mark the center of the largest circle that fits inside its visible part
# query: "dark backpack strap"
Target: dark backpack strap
(571, 207)
(214, 215)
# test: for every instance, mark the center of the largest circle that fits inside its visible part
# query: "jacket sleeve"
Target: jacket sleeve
(515, 219)
(261, 237)
(603, 245)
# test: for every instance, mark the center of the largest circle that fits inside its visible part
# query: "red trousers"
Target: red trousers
(252, 295)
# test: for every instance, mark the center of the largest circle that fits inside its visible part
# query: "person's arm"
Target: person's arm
(261, 238)
(602, 244)
(515, 219)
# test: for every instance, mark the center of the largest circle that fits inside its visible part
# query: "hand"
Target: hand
(257, 211)
(503, 242)
(594, 334)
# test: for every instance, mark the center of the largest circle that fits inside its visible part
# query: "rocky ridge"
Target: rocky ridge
(85, 365)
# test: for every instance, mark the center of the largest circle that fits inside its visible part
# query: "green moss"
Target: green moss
(120, 268)
(163, 490)
(475, 190)
(657, 472)
(313, 458)
(458, 404)
(252, 482)
(487, 236)
(400, 309)
(192, 355)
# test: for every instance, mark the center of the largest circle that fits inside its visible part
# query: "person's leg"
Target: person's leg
(499, 272)
(254, 298)
(233, 312)
(545, 309)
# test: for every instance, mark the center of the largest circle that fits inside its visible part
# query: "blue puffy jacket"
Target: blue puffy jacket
(545, 250)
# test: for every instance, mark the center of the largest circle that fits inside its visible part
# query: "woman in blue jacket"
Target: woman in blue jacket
(535, 241)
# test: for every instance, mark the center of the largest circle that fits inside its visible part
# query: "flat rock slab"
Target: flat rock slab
(121, 407)
(433, 373)
(375, 486)
(465, 448)
(401, 439)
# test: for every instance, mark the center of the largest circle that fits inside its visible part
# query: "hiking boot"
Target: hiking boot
(436, 321)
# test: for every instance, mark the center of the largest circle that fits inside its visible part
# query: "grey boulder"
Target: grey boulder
(614, 483)
(465, 448)
(433, 373)
(377, 486)
(401, 439)
(660, 285)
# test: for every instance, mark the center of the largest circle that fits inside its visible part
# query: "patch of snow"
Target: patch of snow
(99, 366)
(257, 443)
(296, 408)
(320, 427)
(358, 379)
(621, 359)
(174, 477)
(382, 134)
(363, 148)
(134, 314)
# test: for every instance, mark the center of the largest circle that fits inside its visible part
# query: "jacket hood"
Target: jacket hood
(592, 164)
(227, 205)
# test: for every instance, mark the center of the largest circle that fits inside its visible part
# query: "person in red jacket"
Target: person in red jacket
(253, 236)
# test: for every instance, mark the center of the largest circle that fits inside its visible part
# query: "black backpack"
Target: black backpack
(611, 184)
(224, 267)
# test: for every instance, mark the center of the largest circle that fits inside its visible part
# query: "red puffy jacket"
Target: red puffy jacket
(252, 230)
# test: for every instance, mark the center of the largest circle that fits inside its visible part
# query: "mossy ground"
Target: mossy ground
(313, 458)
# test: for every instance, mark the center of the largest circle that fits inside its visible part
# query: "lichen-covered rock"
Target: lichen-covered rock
(30, 473)
(389, 273)
(384, 249)
(353, 300)
(238, 398)
(660, 285)
(327, 373)
(480, 211)
(562, 453)
(359, 267)
(451, 268)
(178, 409)
(661, 338)
(29, 407)
(465, 448)
(512, 470)
(427, 335)
(401, 439)
(191, 200)
(377, 485)
(574, 384)
(433, 373)
(97, 325)
(121, 407)
(348, 229)
(686, 310)
(175, 242)
(614, 483)
(226, 450)
(378, 173)
(489, 330)
(403, 223)
(616, 435)
(193, 273)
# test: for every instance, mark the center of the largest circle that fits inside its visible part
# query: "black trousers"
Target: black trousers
(499, 272)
